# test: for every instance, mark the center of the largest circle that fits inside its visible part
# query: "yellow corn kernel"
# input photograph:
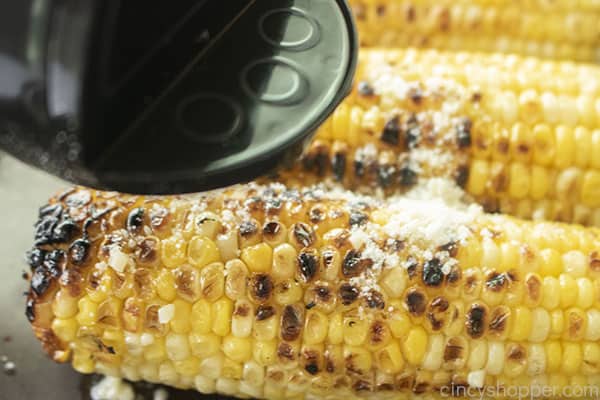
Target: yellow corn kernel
(202, 251)
(478, 177)
(177, 347)
(88, 312)
(265, 352)
(551, 293)
(212, 367)
(568, 290)
(165, 285)
(228, 245)
(258, 258)
(201, 317)
(583, 144)
(491, 256)
(65, 329)
(83, 362)
(232, 369)
(355, 330)
(540, 182)
(335, 333)
(394, 282)
(521, 143)
(173, 251)
(592, 325)
(315, 327)
(389, 359)
(541, 323)
(284, 262)
(557, 323)
(102, 291)
(478, 355)
(187, 367)
(553, 356)
(595, 148)
(590, 192)
(434, 353)
(544, 145)
(221, 314)
(64, 305)
(288, 292)
(204, 345)
(565, 147)
(237, 349)
(358, 360)
(575, 263)
(585, 293)
(551, 264)
(591, 358)
(495, 358)
(415, 345)
(181, 319)
(572, 358)
(519, 181)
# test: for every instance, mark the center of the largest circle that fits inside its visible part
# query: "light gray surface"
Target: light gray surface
(22, 191)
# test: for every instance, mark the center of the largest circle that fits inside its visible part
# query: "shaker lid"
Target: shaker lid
(204, 94)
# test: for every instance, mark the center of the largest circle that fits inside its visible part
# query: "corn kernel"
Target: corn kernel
(181, 320)
(165, 285)
(568, 290)
(316, 327)
(265, 352)
(202, 251)
(201, 317)
(65, 329)
(572, 358)
(204, 345)
(237, 349)
(173, 251)
(258, 258)
(221, 314)
(415, 345)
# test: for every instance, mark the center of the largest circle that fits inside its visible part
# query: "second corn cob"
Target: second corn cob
(266, 292)
(519, 134)
(567, 30)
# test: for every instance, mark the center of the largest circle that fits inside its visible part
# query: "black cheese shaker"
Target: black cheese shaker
(148, 96)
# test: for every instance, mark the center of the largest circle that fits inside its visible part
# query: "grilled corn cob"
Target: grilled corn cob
(565, 29)
(266, 292)
(519, 134)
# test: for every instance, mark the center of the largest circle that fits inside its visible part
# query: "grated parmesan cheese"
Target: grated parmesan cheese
(110, 388)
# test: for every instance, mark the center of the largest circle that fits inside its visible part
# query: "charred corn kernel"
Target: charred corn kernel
(516, 360)
(415, 345)
(237, 349)
(265, 352)
(202, 251)
(266, 329)
(242, 319)
(568, 290)
(173, 251)
(258, 258)
(221, 316)
(358, 360)
(212, 281)
(575, 320)
(236, 275)
(202, 317)
(165, 286)
(284, 262)
(204, 345)
(572, 358)
(541, 323)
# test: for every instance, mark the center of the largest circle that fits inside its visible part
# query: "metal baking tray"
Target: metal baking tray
(22, 191)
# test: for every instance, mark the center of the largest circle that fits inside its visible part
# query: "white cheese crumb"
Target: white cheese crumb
(166, 313)
(358, 238)
(476, 378)
(110, 388)
(117, 259)
(160, 394)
